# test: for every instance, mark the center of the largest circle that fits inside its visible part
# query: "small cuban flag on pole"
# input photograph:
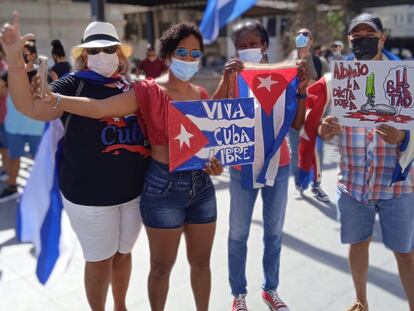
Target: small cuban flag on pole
(219, 13)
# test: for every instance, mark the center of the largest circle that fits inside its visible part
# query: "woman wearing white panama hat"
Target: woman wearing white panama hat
(173, 204)
(104, 161)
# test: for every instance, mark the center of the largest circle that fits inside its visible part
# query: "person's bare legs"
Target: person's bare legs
(163, 245)
(97, 279)
(121, 274)
(405, 263)
(358, 263)
(199, 238)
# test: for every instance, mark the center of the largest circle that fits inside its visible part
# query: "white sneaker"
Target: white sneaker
(319, 194)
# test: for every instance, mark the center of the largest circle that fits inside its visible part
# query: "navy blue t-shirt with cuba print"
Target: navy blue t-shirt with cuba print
(104, 161)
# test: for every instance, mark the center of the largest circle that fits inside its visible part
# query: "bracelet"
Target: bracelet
(301, 96)
(17, 69)
(58, 100)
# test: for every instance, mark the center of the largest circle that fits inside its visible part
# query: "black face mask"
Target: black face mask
(26, 58)
(365, 48)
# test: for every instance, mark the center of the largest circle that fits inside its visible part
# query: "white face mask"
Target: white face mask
(336, 52)
(184, 70)
(250, 55)
(104, 64)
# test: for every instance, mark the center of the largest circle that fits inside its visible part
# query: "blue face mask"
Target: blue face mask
(183, 70)
(251, 55)
(302, 41)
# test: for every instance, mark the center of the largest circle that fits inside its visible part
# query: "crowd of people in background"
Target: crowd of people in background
(96, 89)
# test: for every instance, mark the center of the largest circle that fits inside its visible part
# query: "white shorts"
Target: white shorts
(105, 230)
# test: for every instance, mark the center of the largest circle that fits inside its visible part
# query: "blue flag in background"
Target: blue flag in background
(219, 13)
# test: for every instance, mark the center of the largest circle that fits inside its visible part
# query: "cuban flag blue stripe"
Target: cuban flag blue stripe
(200, 112)
(406, 159)
(219, 13)
(268, 133)
(213, 142)
(19, 223)
(40, 215)
(290, 112)
(247, 170)
(243, 88)
(51, 229)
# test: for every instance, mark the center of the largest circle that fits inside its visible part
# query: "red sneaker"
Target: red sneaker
(273, 301)
(239, 303)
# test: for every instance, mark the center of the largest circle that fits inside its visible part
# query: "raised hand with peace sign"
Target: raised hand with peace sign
(13, 42)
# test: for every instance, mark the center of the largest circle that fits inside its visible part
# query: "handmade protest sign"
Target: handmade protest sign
(199, 130)
(366, 93)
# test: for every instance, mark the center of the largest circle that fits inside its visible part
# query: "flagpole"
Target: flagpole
(98, 10)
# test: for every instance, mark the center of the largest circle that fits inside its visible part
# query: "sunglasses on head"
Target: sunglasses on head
(183, 52)
(107, 50)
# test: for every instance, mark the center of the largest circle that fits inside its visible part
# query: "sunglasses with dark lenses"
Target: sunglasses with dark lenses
(107, 50)
(306, 34)
(183, 52)
(335, 46)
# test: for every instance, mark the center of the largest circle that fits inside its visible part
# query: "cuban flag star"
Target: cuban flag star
(274, 88)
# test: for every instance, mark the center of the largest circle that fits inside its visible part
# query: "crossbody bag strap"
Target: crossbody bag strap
(78, 91)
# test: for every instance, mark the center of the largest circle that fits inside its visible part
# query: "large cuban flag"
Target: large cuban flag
(40, 218)
(219, 13)
(274, 88)
(199, 130)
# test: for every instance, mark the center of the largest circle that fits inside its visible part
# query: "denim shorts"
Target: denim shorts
(16, 143)
(171, 200)
(396, 219)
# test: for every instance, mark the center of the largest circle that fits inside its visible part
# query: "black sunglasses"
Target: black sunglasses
(107, 50)
(306, 34)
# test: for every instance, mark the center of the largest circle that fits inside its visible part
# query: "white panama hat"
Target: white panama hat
(100, 35)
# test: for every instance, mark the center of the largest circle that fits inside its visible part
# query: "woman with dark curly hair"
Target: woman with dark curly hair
(172, 203)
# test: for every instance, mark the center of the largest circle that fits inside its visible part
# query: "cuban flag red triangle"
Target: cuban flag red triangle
(267, 86)
(186, 139)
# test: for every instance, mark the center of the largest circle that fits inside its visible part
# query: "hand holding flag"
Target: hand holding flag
(213, 167)
(329, 127)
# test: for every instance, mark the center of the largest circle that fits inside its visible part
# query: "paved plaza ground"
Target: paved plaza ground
(314, 271)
